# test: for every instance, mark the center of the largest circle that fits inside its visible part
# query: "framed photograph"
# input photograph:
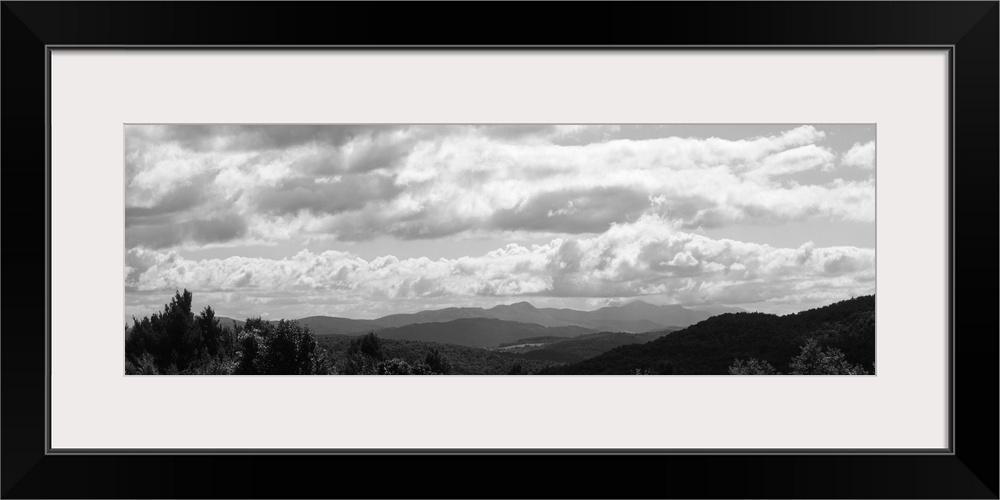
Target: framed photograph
(277, 220)
(513, 249)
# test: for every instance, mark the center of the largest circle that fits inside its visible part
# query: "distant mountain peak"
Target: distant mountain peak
(522, 305)
(636, 304)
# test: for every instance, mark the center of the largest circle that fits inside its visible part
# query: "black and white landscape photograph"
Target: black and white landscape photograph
(499, 249)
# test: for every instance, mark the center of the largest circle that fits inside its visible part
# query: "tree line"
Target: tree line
(175, 341)
(813, 359)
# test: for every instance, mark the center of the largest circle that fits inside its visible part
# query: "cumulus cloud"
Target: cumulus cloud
(188, 185)
(648, 257)
(860, 155)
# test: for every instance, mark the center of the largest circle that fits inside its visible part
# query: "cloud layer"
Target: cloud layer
(581, 216)
(189, 186)
(649, 257)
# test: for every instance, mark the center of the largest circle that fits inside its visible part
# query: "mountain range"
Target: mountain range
(634, 317)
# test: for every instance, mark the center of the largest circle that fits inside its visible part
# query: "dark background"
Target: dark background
(27, 27)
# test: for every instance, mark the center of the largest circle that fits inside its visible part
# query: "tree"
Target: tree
(211, 331)
(517, 369)
(658, 368)
(249, 344)
(437, 363)
(662, 368)
(368, 345)
(175, 341)
(396, 366)
(145, 366)
(172, 338)
(752, 366)
(363, 356)
(285, 348)
(815, 360)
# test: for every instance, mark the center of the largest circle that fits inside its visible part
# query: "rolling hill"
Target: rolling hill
(477, 332)
(711, 346)
(463, 360)
(325, 325)
(585, 346)
(641, 316)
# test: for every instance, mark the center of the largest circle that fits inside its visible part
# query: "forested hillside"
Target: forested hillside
(714, 345)
(462, 360)
(581, 347)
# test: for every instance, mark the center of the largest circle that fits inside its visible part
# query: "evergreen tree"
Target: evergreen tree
(815, 360)
(175, 341)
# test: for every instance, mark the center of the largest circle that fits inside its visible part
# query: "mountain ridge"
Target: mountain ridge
(711, 346)
(634, 317)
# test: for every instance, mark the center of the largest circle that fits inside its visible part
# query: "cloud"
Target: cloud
(235, 138)
(180, 198)
(792, 161)
(326, 195)
(860, 155)
(518, 132)
(350, 183)
(647, 257)
(178, 232)
(573, 210)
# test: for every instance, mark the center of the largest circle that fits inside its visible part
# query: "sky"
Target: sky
(361, 221)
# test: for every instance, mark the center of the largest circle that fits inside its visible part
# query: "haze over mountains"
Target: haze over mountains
(480, 327)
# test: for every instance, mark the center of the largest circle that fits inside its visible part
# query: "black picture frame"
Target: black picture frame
(969, 31)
